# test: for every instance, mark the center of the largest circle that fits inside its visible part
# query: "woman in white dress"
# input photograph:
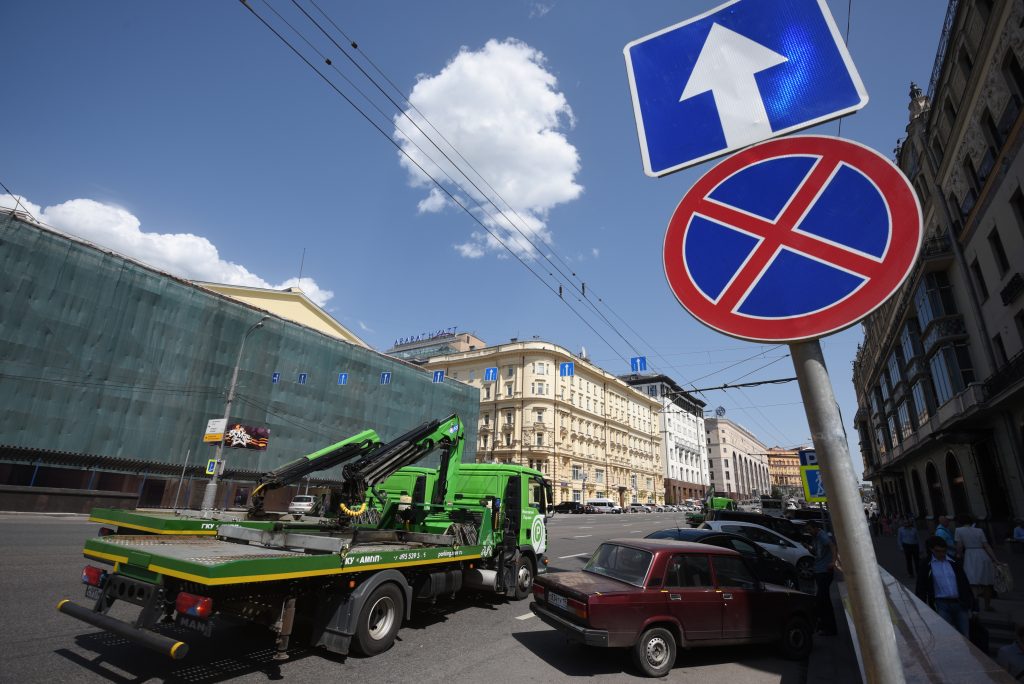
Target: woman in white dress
(977, 558)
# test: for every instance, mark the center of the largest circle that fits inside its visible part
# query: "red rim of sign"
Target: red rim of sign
(883, 276)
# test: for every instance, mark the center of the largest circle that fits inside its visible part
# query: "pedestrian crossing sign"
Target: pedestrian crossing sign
(814, 486)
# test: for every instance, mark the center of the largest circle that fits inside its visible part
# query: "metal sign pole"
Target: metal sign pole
(868, 601)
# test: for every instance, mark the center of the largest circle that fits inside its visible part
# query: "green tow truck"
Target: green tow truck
(343, 582)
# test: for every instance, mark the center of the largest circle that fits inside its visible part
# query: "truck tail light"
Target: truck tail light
(93, 575)
(578, 607)
(106, 531)
(196, 606)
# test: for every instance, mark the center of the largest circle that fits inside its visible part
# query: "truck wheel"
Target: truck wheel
(796, 639)
(379, 620)
(523, 578)
(655, 652)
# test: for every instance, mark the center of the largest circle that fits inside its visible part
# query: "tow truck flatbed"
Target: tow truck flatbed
(213, 561)
(191, 522)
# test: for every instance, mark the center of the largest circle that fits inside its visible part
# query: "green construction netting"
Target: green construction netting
(102, 355)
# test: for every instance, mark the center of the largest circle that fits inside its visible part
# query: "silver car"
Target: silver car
(301, 504)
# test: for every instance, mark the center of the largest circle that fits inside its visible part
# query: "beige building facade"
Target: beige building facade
(784, 470)
(591, 434)
(939, 375)
(738, 460)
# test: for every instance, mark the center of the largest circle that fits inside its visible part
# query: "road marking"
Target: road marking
(636, 531)
(525, 617)
(581, 536)
(582, 527)
(575, 555)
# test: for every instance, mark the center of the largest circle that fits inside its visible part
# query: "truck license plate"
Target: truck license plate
(92, 592)
(558, 601)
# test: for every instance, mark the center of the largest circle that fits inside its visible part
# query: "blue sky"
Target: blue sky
(189, 133)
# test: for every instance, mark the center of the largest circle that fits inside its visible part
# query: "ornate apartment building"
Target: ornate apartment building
(738, 461)
(939, 376)
(590, 433)
(683, 441)
(784, 471)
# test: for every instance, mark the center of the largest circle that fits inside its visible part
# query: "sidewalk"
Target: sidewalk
(1007, 610)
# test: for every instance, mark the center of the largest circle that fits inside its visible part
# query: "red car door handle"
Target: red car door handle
(675, 597)
(726, 596)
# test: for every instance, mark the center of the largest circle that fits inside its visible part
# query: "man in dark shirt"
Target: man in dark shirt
(942, 584)
(824, 550)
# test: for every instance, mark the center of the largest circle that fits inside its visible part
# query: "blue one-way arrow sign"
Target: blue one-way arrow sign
(744, 72)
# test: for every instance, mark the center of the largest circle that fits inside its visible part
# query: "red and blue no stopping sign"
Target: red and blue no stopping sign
(793, 239)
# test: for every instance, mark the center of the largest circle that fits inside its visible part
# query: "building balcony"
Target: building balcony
(945, 329)
(1009, 375)
(508, 427)
(936, 253)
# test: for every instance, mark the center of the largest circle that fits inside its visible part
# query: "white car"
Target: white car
(301, 504)
(771, 541)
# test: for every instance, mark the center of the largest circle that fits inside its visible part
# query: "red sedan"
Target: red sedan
(655, 596)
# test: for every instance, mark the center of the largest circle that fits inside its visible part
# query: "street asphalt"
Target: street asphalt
(471, 637)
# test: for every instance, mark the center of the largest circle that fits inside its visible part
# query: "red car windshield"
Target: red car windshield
(620, 562)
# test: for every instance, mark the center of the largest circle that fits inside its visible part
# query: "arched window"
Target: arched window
(957, 488)
(915, 482)
(935, 494)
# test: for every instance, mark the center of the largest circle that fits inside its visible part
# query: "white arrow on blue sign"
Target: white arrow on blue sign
(638, 364)
(567, 369)
(438, 376)
(741, 73)
(385, 378)
(491, 374)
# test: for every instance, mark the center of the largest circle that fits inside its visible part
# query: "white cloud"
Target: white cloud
(364, 327)
(432, 203)
(539, 9)
(500, 109)
(595, 252)
(181, 254)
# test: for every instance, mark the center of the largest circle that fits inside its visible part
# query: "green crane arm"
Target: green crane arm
(448, 435)
(328, 457)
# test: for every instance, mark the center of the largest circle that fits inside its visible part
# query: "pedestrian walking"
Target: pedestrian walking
(942, 584)
(908, 540)
(873, 524)
(978, 558)
(824, 550)
(945, 530)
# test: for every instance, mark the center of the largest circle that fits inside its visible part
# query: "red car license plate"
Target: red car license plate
(558, 601)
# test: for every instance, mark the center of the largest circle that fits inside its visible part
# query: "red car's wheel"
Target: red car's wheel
(655, 652)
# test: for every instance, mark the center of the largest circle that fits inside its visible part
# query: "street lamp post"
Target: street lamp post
(210, 494)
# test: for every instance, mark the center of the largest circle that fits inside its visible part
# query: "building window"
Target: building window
(894, 367)
(1000, 349)
(509, 418)
(577, 496)
(540, 415)
(508, 389)
(934, 298)
(487, 419)
(487, 391)
(896, 439)
(540, 439)
(1017, 203)
(964, 62)
(510, 371)
(483, 441)
(998, 251)
(652, 390)
(540, 368)
(577, 472)
(599, 476)
(951, 370)
(508, 439)
(979, 280)
(921, 403)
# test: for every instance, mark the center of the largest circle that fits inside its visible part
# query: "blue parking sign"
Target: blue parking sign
(741, 73)
(275, 378)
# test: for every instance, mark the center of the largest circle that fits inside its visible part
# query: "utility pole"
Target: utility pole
(210, 494)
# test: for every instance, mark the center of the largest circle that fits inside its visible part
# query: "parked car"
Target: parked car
(771, 541)
(787, 528)
(638, 508)
(654, 596)
(768, 568)
(570, 507)
(301, 504)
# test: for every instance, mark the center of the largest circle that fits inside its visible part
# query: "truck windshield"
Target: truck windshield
(621, 563)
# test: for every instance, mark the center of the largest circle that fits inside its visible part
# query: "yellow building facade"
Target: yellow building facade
(591, 434)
